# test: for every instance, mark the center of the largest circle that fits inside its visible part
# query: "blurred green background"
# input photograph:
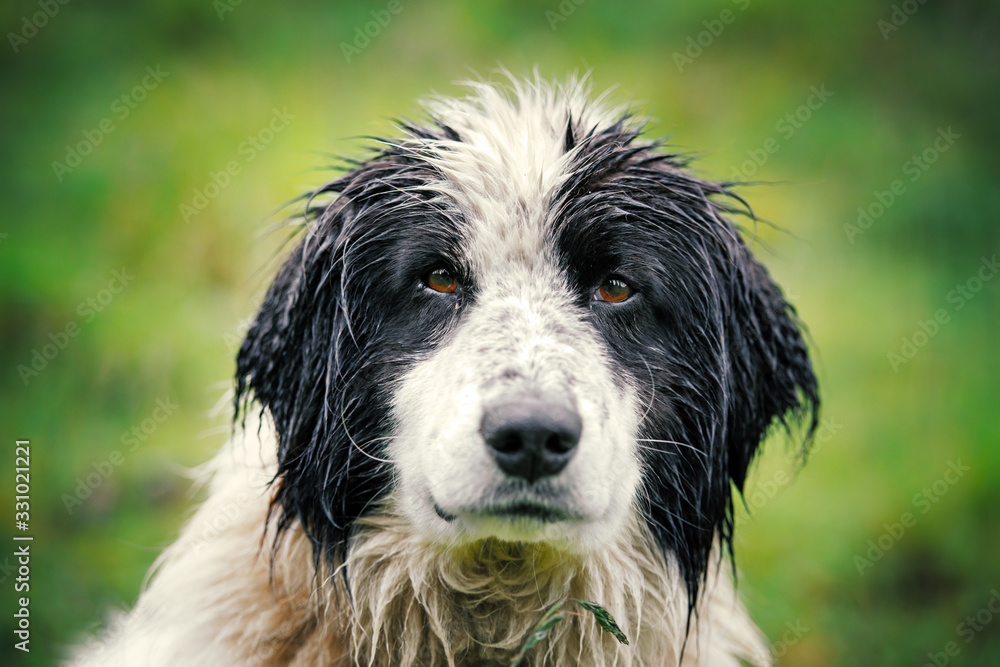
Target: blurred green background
(874, 123)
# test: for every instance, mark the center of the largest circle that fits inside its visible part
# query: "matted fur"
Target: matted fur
(218, 598)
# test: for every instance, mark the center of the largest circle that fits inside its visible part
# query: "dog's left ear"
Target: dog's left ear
(770, 377)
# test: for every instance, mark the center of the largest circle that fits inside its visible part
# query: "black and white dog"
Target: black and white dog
(519, 355)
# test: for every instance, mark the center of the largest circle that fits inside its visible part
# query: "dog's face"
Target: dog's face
(523, 322)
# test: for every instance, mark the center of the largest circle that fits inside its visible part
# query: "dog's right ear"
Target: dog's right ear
(306, 359)
(283, 362)
(277, 362)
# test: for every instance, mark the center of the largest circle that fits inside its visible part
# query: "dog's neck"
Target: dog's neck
(417, 603)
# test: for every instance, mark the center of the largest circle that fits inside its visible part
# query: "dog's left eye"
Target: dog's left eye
(613, 290)
(441, 280)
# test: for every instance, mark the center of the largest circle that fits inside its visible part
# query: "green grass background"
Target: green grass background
(172, 332)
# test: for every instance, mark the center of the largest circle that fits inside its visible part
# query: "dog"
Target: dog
(520, 355)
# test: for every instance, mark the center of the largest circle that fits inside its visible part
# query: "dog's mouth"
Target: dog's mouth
(444, 515)
(528, 510)
(540, 512)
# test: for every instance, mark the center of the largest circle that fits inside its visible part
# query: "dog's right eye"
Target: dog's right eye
(614, 290)
(441, 280)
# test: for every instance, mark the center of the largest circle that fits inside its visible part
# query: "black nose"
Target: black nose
(531, 439)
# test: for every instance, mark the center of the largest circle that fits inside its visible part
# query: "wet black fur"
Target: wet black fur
(708, 334)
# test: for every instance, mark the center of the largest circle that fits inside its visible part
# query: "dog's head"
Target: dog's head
(524, 322)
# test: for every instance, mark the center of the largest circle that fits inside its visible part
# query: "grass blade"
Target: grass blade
(604, 619)
(540, 632)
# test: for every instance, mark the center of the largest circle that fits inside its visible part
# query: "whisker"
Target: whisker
(674, 442)
(702, 456)
(654, 449)
(347, 432)
(652, 392)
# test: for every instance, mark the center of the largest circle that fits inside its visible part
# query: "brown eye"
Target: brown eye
(613, 290)
(441, 280)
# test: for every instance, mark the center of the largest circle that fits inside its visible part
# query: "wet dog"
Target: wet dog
(519, 354)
